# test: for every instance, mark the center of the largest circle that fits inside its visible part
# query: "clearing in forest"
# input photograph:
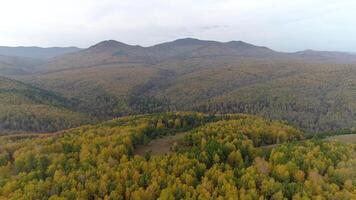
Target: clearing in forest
(350, 138)
(160, 146)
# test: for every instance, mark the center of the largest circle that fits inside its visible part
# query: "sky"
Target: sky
(284, 25)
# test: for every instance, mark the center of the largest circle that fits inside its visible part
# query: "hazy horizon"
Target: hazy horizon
(20, 46)
(286, 26)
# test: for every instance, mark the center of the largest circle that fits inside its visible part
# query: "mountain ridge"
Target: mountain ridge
(112, 51)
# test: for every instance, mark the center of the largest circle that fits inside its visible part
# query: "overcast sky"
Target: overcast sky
(285, 25)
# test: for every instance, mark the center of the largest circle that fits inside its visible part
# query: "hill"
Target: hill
(222, 158)
(26, 108)
(312, 90)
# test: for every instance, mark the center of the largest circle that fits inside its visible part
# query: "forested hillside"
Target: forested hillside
(26, 108)
(10, 65)
(312, 90)
(221, 157)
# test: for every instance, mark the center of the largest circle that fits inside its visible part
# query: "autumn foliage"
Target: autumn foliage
(221, 157)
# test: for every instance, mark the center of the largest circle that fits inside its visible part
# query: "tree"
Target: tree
(235, 159)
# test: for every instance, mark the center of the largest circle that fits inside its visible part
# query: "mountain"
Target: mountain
(26, 108)
(36, 52)
(113, 79)
(198, 156)
(326, 56)
(180, 47)
(113, 52)
(103, 53)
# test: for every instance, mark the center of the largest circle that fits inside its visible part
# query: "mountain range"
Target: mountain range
(112, 52)
(314, 90)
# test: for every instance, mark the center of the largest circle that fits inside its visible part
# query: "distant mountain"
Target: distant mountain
(326, 56)
(180, 47)
(111, 52)
(36, 52)
(103, 53)
(114, 52)
(189, 47)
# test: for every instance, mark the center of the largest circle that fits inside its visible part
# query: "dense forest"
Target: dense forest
(220, 157)
(24, 107)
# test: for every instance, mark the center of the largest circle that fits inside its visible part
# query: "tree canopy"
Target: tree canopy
(221, 157)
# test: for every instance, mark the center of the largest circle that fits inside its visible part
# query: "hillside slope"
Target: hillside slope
(222, 159)
(25, 108)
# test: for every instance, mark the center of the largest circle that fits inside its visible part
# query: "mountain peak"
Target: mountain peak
(109, 43)
(239, 42)
(190, 41)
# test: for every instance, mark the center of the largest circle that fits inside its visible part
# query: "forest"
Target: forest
(27, 108)
(221, 157)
